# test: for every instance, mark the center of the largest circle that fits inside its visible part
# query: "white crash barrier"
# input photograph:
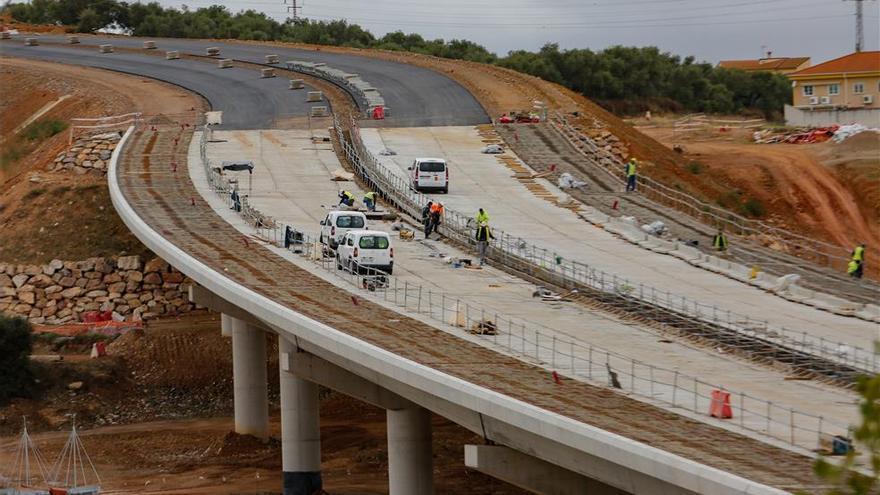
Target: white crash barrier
(31, 42)
(212, 51)
(106, 48)
(313, 96)
(173, 55)
(297, 84)
(224, 63)
(5, 35)
(73, 40)
(149, 45)
(870, 312)
(272, 59)
(368, 97)
(264, 73)
(319, 111)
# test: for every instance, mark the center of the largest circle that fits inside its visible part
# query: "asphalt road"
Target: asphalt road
(416, 96)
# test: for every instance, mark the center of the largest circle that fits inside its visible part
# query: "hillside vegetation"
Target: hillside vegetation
(625, 80)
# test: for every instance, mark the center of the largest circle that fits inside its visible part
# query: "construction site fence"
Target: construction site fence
(543, 346)
(816, 251)
(546, 264)
(699, 121)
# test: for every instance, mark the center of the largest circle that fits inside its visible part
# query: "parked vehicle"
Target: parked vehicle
(338, 223)
(360, 249)
(429, 173)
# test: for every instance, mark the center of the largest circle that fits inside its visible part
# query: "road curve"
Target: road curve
(416, 96)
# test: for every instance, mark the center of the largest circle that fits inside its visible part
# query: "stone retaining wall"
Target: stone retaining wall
(90, 154)
(61, 291)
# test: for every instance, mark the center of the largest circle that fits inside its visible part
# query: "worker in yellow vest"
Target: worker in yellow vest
(346, 198)
(370, 200)
(858, 256)
(719, 242)
(631, 175)
(852, 268)
(483, 234)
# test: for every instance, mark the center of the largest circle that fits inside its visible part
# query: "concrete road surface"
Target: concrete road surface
(478, 180)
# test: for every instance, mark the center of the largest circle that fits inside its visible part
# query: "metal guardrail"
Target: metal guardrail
(539, 344)
(819, 252)
(510, 249)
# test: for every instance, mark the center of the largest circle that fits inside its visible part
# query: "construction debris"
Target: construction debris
(484, 327)
(845, 132)
(656, 228)
(407, 235)
(387, 152)
(340, 175)
(566, 181)
(802, 135)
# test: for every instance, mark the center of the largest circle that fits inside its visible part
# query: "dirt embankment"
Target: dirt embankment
(156, 417)
(828, 191)
(61, 214)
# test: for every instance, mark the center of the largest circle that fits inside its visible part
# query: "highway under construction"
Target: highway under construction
(587, 353)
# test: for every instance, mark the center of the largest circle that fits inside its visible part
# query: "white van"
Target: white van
(338, 223)
(429, 173)
(365, 249)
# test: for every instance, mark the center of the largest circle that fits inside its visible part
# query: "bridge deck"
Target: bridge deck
(162, 198)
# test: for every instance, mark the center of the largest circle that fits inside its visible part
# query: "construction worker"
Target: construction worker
(719, 242)
(630, 170)
(370, 200)
(426, 218)
(346, 198)
(858, 255)
(483, 235)
(436, 217)
(852, 268)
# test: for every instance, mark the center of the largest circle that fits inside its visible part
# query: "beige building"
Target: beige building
(841, 91)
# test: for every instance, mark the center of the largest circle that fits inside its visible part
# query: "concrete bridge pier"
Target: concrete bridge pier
(410, 462)
(300, 428)
(250, 386)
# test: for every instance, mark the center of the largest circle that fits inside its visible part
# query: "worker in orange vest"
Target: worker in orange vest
(435, 218)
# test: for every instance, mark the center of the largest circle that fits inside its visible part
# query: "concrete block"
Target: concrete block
(686, 253)
(312, 96)
(106, 48)
(871, 312)
(272, 59)
(320, 111)
(212, 51)
(297, 84)
(5, 35)
(173, 55)
(31, 42)
(73, 40)
(224, 63)
(264, 73)
(149, 45)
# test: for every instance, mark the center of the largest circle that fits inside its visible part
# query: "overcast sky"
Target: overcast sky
(711, 30)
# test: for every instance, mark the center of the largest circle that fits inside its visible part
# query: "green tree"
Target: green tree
(16, 341)
(89, 21)
(847, 481)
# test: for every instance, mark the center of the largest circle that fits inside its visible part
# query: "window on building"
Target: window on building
(834, 89)
(808, 91)
(858, 88)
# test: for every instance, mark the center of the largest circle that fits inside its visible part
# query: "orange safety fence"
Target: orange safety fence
(83, 328)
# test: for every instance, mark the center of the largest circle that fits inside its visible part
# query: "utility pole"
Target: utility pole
(293, 9)
(860, 24)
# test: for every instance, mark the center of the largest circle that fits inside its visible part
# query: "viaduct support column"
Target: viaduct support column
(249, 379)
(300, 428)
(410, 464)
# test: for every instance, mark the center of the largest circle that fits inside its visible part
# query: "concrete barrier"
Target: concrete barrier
(319, 111)
(224, 63)
(313, 96)
(297, 84)
(5, 35)
(264, 73)
(272, 59)
(73, 40)
(212, 51)
(31, 42)
(106, 48)
(149, 45)
(870, 312)
(173, 55)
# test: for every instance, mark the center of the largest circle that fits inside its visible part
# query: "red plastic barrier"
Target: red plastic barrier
(96, 316)
(720, 406)
(378, 113)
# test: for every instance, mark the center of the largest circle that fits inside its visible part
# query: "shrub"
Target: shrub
(753, 208)
(695, 168)
(16, 341)
(43, 129)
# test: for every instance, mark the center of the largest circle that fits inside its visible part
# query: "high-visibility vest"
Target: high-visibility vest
(720, 242)
(482, 217)
(348, 195)
(852, 267)
(483, 233)
(858, 254)
(436, 208)
(630, 169)
(370, 196)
